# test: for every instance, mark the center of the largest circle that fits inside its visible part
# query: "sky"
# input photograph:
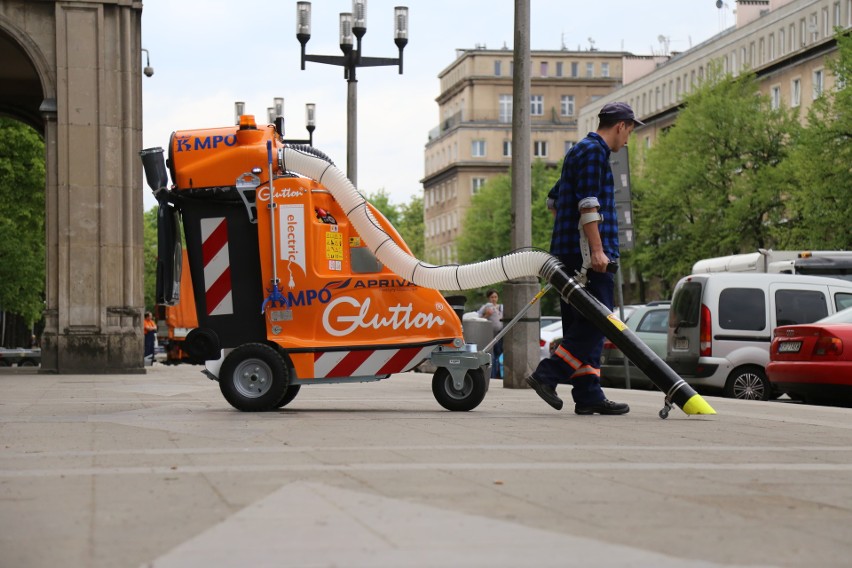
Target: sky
(207, 54)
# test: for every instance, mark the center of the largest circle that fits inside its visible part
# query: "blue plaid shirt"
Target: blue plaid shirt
(585, 173)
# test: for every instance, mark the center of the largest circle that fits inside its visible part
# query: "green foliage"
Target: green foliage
(407, 219)
(821, 162)
(149, 228)
(486, 232)
(713, 184)
(22, 232)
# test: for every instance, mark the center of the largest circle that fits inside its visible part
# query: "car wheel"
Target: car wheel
(748, 383)
(467, 398)
(254, 378)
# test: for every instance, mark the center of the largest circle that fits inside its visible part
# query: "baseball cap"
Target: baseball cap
(619, 111)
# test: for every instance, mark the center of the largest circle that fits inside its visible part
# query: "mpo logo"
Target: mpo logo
(188, 143)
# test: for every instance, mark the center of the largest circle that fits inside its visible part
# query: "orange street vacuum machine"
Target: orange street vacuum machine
(297, 280)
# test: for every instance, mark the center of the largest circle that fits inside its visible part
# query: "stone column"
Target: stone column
(94, 194)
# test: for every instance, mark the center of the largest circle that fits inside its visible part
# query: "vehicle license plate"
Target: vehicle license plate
(681, 343)
(789, 347)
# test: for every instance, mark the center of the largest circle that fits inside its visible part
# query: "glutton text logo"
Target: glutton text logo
(346, 315)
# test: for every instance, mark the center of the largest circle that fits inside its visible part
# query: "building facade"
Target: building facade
(473, 141)
(785, 42)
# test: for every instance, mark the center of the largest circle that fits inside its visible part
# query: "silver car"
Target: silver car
(650, 324)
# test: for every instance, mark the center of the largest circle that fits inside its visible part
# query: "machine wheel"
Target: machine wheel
(748, 383)
(27, 363)
(254, 378)
(470, 395)
(291, 393)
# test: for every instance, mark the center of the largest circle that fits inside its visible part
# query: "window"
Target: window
(813, 27)
(511, 69)
(507, 148)
(760, 51)
(796, 93)
(818, 83)
(568, 145)
(771, 47)
(498, 68)
(540, 148)
(775, 97)
(567, 105)
(826, 26)
(836, 19)
(476, 184)
(559, 71)
(781, 42)
(536, 105)
(505, 108)
(793, 37)
(794, 307)
(477, 148)
(742, 308)
(802, 37)
(590, 69)
(544, 68)
(575, 67)
(604, 69)
(655, 321)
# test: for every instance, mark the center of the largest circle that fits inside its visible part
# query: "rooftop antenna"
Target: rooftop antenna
(564, 48)
(591, 44)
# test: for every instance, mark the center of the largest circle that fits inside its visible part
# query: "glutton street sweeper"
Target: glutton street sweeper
(298, 280)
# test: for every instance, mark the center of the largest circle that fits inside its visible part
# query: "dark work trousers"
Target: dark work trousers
(149, 343)
(577, 360)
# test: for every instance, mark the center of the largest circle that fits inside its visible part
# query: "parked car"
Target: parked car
(720, 325)
(650, 323)
(549, 320)
(813, 362)
(551, 335)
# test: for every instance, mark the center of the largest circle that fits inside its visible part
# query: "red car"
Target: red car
(813, 362)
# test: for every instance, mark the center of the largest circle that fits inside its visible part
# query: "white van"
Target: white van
(720, 325)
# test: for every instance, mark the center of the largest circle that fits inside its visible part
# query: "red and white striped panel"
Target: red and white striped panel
(367, 362)
(217, 266)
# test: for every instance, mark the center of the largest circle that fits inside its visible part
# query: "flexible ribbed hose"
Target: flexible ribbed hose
(462, 277)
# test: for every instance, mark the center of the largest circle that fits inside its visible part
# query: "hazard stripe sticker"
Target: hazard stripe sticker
(368, 362)
(217, 266)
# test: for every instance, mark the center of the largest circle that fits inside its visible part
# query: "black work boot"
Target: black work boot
(603, 407)
(546, 392)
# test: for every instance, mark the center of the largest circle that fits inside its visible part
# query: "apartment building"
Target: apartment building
(473, 141)
(785, 42)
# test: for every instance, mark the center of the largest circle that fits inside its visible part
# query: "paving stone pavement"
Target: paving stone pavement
(158, 470)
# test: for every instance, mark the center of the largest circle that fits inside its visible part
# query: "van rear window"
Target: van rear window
(742, 308)
(686, 306)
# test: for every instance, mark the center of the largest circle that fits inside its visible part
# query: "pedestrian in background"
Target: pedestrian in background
(493, 312)
(583, 202)
(150, 327)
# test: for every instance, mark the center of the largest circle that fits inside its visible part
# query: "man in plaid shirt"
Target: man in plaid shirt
(584, 200)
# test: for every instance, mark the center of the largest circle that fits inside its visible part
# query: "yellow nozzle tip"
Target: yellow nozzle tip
(697, 405)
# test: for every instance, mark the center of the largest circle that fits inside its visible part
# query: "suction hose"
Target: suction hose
(508, 267)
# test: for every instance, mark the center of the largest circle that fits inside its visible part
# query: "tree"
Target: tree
(486, 229)
(22, 234)
(713, 184)
(821, 162)
(149, 224)
(407, 219)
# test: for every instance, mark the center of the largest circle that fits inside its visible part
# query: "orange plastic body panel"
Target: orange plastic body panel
(181, 318)
(215, 157)
(334, 302)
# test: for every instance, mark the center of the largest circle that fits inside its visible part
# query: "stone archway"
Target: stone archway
(74, 74)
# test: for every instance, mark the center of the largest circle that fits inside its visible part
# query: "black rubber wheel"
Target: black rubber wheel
(27, 363)
(291, 393)
(471, 394)
(748, 383)
(254, 378)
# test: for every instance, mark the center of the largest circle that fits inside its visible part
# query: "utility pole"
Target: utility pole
(520, 345)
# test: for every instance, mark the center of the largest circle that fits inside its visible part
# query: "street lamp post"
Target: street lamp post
(275, 115)
(352, 24)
